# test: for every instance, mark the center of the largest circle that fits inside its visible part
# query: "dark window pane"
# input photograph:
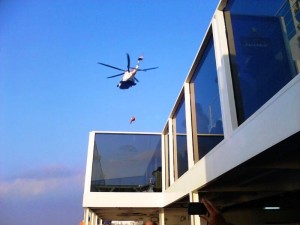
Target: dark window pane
(126, 163)
(207, 100)
(180, 118)
(182, 162)
(264, 51)
(206, 143)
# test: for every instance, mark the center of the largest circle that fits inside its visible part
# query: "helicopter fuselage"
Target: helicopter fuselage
(129, 75)
(127, 80)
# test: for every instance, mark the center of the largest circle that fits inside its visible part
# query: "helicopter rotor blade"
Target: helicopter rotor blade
(128, 62)
(103, 64)
(136, 79)
(147, 69)
(115, 75)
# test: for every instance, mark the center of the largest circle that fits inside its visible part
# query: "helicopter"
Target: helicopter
(128, 79)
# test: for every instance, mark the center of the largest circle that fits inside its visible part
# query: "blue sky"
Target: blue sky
(53, 92)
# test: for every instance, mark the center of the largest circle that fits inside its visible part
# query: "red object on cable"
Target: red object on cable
(132, 119)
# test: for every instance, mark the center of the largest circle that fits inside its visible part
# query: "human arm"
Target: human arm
(214, 216)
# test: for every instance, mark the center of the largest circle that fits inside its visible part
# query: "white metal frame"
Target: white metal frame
(104, 199)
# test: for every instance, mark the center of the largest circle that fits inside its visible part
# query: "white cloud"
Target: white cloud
(29, 186)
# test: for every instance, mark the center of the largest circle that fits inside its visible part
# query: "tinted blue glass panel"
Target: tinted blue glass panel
(182, 158)
(255, 7)
(207, 101)
(206, 143)
(126, 163)
(264, 51)
(182, 162)
(180, 118)
(288, 17)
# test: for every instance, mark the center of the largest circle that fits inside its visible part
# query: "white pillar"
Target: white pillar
(96, 219)
(89, 163)
(188, 119)
(86, 216)
(161, 216)
(228, 107)
(92, 218)
(195, 219)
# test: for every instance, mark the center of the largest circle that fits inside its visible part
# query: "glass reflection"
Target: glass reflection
(264, 46)
(181, 140)
(126, 163)
(207, 107)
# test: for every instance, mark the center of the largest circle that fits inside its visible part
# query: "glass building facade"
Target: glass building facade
(220, 140)
(263, 45)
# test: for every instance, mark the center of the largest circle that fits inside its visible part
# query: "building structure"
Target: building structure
(232, 136)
